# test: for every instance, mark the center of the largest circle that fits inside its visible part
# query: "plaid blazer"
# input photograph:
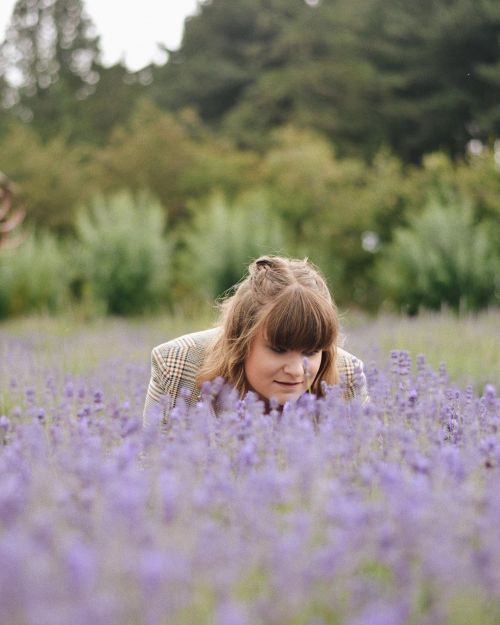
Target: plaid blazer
(175, 364)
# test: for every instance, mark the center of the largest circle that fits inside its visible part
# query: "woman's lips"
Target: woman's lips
(291, 384)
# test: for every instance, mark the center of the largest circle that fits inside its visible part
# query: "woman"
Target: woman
(277, 336)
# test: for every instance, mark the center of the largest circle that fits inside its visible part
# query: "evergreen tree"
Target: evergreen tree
(49, 62)
(225, 47)
(417, 76)
(318, 79)
(110, 105)
(436, 67)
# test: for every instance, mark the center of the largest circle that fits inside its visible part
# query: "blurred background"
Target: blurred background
(364, 134)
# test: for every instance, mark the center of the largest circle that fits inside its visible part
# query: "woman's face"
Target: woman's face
(279, 374)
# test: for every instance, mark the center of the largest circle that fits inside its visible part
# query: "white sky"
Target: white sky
(129, 29)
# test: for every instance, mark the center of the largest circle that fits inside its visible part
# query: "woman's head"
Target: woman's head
(283, 306)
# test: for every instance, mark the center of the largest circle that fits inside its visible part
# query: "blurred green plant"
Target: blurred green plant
(442, 258)
(34, 277)
(125, 259)
(300, 171)
(173, 156)
(52, 176)
(222, 238)
(153, 151)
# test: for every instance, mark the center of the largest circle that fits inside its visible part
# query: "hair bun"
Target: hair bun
(264, 262)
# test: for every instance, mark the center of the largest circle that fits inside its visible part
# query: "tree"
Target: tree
(110, 105)
(225, 48)
(173, 156)
(317, 78)
(49, 62)
(222, 238)
(436, 64)
(414, 76)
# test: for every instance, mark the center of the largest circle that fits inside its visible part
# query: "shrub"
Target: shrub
(172, 155)
(442, 258)
(125, 259)
(154, 151)
(52, 176)
(34, 276)
(223, 238)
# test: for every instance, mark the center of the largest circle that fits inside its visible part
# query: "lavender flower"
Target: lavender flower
(325, 511)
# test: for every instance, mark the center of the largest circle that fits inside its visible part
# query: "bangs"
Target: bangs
(301, 320)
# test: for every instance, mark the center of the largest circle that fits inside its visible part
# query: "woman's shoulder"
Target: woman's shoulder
(189, 346)
(175, 364)
(347, 361)
(351, 372)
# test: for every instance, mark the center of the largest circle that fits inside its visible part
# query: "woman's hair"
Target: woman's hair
(289, 301)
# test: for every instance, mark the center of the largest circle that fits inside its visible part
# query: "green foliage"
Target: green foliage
(330, 204)
(442, 258)
(300, 171)
(172, 156)
(341, 103)
(34, 277)
(479, 177)
(224, 49)
(311, 74)
(52, 176)
(154, 151)
(125, 259)
(53, 50)
(417, 77)
(436, 73)
(111, 104)
(223, 238)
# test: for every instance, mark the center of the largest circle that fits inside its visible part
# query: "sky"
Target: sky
(129, 29)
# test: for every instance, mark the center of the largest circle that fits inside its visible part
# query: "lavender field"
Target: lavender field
(327, 514)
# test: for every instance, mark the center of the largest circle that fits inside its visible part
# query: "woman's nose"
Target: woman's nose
(294, 365)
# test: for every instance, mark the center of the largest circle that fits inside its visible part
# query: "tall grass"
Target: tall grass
(468, 345)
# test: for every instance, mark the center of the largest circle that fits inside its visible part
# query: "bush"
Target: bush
(154, 151)
(223, 238)
(52, 176)
(442, 258)
(125, 259)
(174, 157)
(34, 277)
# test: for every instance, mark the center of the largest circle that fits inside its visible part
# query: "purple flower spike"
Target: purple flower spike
(490, 392)
(230, 613)
(236, 511)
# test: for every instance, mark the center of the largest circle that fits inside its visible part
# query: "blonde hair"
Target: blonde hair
(289, 301)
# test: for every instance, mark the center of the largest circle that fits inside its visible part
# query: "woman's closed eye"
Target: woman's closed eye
(283, 350)
(278, 350)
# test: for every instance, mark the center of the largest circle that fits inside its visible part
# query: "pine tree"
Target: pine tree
(48, 61)
(436, 65)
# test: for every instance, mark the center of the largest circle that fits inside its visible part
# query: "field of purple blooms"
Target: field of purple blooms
(330, 513)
